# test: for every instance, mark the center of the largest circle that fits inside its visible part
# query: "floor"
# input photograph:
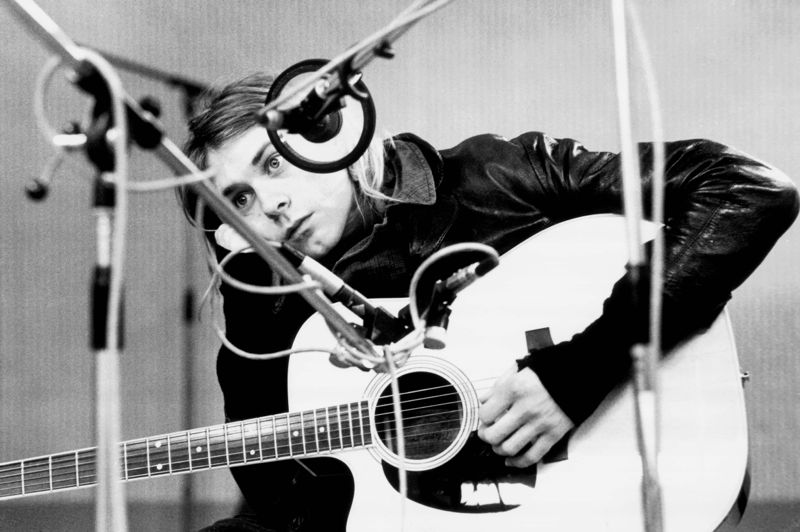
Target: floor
(27, 517)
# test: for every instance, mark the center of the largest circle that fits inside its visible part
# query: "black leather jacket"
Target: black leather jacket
(724, 212)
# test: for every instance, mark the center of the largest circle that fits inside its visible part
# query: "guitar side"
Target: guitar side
(558, 279)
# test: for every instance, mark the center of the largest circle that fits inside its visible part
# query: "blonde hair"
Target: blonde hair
(229, 111)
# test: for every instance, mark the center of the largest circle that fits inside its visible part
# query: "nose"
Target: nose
(276, 206)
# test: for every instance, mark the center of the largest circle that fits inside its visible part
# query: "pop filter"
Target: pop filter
(327, 129)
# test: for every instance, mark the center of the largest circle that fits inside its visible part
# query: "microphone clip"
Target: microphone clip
(437, 316)
(318, 117)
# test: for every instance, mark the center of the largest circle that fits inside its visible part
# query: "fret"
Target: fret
(35, 475)
(323, 429)
(136, 461)
(50, 470)
(334, 427)
(218, 446)
(357, 427)
(251, 441)
(77, 473)
(297, 442)
(225, 438)
(189, 449)
(169, 456)
(147, 450)
(208, 448)
(87, 473)
(309, 432)
(366, 436)
(348, 426)
(178, 448)
(244, 444)
(11, 479)
(63, 471)
(339, 426)
(233, 438)
(283, 442)
(198, 448)
(268, 437)
(259, 436)
(125, 460)
(158, 456)
(328, 429)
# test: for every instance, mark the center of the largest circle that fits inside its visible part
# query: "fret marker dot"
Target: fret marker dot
(295, 433)
(252, 453)
(199, 449)
(159, 466)
(322, 429)
(158, 444)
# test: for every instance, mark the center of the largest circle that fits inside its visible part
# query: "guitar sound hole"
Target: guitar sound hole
(432, 414)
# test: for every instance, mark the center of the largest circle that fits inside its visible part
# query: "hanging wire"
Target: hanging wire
(657, 216)
(645, 357)
(442, 253)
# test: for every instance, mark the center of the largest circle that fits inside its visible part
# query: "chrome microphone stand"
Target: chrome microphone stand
(644, 352)
(148, 134)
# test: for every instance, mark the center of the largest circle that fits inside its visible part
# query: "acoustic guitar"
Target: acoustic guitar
(555, 282)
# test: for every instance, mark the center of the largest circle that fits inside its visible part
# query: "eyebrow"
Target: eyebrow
(256, 161)
(260, 154)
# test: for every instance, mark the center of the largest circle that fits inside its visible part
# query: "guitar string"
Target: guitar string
(43, 478)
(41, 472)
(37, 469)
(181, 433)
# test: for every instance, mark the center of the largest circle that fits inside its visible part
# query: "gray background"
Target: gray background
(727, 70)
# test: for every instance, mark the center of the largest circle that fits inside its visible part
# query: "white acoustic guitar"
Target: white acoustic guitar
(557, 280)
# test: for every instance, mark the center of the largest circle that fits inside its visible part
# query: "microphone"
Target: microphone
(333, 285)
(319, 116)
(437, 316)
(379, 325)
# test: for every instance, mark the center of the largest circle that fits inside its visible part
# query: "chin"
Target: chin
(315, 250)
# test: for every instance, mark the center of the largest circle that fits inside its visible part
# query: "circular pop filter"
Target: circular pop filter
(322, 133)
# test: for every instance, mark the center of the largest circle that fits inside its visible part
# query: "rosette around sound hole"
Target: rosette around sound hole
(432, 414)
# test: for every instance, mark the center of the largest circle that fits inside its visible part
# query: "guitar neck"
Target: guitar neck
(266, 439)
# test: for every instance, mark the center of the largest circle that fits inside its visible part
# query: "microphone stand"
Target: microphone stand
(110, 510)
(323, 98)
(643, 355)
(148, 134)
(191, 90)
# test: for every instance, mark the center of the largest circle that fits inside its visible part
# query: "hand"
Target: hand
(517, 411)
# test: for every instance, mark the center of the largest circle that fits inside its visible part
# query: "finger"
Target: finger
(484, 394)
(494, 407)
(500, 385)
(517, 441)
(536, 452)
(504, 426)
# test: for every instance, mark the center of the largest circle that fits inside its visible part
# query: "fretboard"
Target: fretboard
(266, 439)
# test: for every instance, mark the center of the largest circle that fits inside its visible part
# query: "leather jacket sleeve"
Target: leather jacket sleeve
(723, 213)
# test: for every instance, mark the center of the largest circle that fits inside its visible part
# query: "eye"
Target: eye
(242, 199)
(273, 162)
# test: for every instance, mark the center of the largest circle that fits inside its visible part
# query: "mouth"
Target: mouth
(296, 229)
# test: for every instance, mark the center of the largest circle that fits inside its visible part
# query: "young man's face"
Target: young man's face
(279, 200)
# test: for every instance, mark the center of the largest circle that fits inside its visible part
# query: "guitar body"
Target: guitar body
(557, 280)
